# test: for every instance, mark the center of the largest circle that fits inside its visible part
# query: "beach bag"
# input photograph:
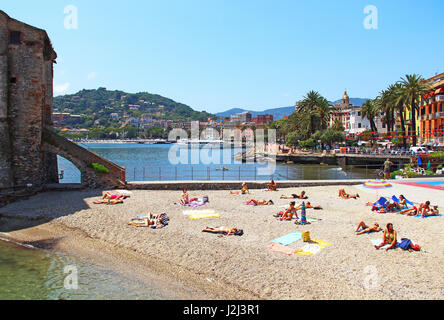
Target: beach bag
(405, 244)
(306, 236)
(205, 199)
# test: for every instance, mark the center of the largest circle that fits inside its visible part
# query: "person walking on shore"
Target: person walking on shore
(387, 168)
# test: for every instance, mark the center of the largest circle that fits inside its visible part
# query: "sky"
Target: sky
(214, 55)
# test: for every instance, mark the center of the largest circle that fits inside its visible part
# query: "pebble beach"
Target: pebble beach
(242, 267)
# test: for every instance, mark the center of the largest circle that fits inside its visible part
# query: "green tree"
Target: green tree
(414, 88)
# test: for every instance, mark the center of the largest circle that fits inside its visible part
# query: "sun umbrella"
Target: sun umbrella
(377, 184)
(429, 166)
(419, 161)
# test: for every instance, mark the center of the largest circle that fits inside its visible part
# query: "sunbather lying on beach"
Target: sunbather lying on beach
(109, 198)
(185, 198)
(159, 220)
(366, 229)
(289, 213)
(344, 195)
(402, 204)
(295, 196)
(309, 206)
(260, 203)
(244, 190)
(430, 212)
(389, 238)
(272, 186)
(423, 208)
(224, 231)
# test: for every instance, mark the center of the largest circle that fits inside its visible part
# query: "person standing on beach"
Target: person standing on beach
(387, 168)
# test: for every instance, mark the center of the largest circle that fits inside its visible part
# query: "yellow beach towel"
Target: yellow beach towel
(312, 248)
(204, 215)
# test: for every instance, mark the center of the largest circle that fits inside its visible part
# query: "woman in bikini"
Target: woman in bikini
(185, 198)
(402, 204)
(260, 203)
(423, 207)
(244, 190)
(389, 238)
(109, 198)
(366, 229)
(344, 195)
(289, 213)
(272, 186)
(429, 212)
(222, 230)
(295, 196)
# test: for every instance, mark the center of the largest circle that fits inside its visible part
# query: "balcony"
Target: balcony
(439, 115)
(439, 97)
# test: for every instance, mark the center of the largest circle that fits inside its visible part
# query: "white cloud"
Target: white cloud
(61, 88)
(92, 75)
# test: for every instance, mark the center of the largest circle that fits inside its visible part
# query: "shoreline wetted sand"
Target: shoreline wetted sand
(204, 266)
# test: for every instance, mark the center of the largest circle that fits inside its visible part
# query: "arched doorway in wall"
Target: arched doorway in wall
(68, 172)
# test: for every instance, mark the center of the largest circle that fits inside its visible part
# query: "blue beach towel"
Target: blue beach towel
(289, 238)
(419, 216)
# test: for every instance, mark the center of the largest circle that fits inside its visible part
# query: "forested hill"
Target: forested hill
(102, 102)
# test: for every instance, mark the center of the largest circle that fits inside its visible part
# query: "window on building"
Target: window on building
(359, 125)
(359, 113)
(13, 80)
(14, 37)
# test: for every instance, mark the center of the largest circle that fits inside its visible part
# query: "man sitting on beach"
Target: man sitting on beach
(272, 186)
(344, 195)
(366, 229)
(302, 195)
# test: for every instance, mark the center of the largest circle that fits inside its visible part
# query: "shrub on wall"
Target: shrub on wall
(98, 168)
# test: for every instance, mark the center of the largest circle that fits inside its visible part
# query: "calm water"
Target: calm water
(30, 274)
(151, 162)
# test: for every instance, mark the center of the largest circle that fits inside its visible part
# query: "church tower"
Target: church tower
(346, 99)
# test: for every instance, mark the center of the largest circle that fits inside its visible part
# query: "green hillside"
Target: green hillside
(101, 103)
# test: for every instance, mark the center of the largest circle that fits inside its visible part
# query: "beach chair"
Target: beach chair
(382, 202)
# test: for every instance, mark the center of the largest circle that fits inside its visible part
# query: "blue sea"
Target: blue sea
(164, 163)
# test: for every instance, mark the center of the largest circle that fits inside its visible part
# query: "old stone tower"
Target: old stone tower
(28, 146)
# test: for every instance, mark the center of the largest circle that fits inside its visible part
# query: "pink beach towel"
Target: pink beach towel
(277, 247)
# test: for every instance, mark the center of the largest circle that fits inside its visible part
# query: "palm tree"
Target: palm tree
(399, 101)
(413, 88)
(313, 105)
(370, 111)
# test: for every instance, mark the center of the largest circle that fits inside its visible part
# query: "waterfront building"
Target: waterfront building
(431, 115)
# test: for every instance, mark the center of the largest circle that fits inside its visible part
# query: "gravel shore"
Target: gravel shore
(241, 267)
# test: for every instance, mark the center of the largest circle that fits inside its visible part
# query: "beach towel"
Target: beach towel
(191, 212)
(289, 238)
(250, 204)
(312, 248)
(204, 215)
(420, 216)
(277, 247)
(377, 242)
(193, 204)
